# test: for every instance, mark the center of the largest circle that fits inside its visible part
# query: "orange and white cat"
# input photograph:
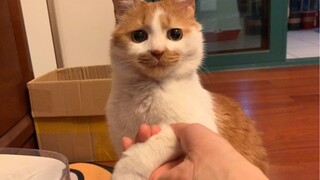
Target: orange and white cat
(156, 50)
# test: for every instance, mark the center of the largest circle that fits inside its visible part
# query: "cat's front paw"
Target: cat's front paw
(119, 175)
(128, 168)
(141, 159)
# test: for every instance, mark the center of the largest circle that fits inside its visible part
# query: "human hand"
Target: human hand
(199, 145)
(144, 133)
(207, 156)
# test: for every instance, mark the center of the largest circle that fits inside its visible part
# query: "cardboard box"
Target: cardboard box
(68, 106)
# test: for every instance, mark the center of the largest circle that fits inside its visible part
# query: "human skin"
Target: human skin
(206, 155)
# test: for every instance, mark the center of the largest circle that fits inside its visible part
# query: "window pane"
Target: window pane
(234, 25)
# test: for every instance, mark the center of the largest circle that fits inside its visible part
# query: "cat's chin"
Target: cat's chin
(154, 72)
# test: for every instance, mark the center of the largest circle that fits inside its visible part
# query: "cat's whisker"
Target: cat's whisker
(125, 64)
(203, 75)
(125, 61)
(204, 67)
(204, 78)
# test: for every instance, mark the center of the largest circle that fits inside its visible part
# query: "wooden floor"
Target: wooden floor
(284, 102)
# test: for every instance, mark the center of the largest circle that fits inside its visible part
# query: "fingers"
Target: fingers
(184, 170)
(178, 128)
(155, 129)
(184, 130)
(126, 143)
(194, 136)
(164, 168)
(144, 133)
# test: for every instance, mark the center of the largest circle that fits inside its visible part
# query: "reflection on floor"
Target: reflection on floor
(303, 44)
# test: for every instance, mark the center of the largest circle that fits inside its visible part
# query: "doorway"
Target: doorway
(303, 29)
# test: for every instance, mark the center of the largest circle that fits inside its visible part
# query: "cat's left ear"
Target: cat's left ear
(121, 6)
(189, 5)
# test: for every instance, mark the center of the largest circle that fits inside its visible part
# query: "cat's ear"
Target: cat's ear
(121, 6)
(188, 5)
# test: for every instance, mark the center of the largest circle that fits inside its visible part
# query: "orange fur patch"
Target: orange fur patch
(240, 131)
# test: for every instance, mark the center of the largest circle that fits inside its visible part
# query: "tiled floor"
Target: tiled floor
(302, 44)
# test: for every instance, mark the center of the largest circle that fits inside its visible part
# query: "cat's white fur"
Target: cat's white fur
(176, 97)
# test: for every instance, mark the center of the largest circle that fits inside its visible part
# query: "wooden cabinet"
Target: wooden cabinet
(16, 126)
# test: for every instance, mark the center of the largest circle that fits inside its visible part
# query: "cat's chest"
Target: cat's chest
(155, 104)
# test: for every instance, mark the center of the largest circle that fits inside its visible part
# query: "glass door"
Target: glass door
(242, 32)
(303, 30)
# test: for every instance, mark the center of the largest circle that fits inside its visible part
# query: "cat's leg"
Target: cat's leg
(140, 160)
(116, 137)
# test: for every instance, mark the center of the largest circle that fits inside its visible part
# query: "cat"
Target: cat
(156, 50)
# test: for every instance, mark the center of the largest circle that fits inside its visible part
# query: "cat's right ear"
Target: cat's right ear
(121, 6)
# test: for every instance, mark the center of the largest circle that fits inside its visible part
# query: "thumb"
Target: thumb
(182, 171)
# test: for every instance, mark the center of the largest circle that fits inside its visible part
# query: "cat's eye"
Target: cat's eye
(175, 34)
(139, 36)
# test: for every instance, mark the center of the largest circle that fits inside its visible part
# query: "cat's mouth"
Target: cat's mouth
(154, 63)
(157, 67)
(168, 58)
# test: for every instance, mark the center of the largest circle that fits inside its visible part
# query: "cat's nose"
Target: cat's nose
(156, 53)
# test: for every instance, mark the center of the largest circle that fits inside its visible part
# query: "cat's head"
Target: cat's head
(156, 39)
